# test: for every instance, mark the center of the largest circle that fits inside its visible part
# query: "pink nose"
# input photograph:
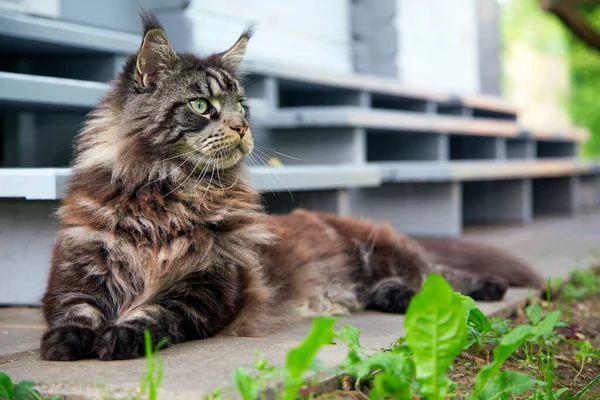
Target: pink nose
(240, 129)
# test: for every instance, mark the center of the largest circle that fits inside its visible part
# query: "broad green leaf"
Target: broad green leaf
(436, 328)
(397, 364)
(534, 313)
(468, 303)
(508, 383)
(350, 335)
(480, 320)
(6, 386)
(300, 357)
(246, 385)
(25, 390)
(386, 386)
(508, 345)
(354, 365)
(548, 324)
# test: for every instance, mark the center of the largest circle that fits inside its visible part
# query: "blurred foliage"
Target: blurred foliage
(524, 21)
(585, 85)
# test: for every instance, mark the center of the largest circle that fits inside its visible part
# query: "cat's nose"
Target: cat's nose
(240, 128)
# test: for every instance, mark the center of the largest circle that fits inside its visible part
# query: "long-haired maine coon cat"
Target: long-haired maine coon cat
(160, 229)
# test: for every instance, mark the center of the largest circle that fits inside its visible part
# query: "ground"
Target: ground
(554, 246)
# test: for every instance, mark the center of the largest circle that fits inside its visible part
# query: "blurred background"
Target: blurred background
(434, 115)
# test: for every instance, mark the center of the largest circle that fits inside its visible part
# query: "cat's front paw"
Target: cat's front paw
(119, 343)
(392, 299)
(490, 288)
(67, 343)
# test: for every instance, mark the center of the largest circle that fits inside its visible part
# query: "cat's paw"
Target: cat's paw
(67, 343)
(490, 288)
(119, 343)
(392, 299)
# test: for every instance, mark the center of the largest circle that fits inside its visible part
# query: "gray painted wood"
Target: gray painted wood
(558, 195)
(589, 193)
(27, 234)
(413, 208)
(499, 201)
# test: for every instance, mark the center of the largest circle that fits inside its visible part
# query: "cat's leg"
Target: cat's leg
(196, 307)
(479, 287)
(73, 319)
(124, 338)
(390, 295)
(76, 304)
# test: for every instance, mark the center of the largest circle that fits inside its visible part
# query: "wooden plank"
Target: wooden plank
(482, 170)
(51, 183)
(331, 117)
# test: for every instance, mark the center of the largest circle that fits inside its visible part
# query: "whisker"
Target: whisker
(186, 179)
(280, 154)
(218, 175)
(254, 162)
(273, 177)
(208, 187)
(281, 180)
(178, 155)
(282, 169)
(203, 172)
(170, 173)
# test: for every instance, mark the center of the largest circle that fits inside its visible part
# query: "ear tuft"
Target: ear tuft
(155, 54)
(149, 22)
(234, 56)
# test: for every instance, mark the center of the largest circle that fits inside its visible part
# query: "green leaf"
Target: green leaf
(508, 345)
(587, 387)
(558, 392)
(436, 328)
(397, 364)
(479, 320)
(245, 384)
(300, 357)
(534, 313)
(6, 386)
(508, 383)
(548, 324)
(350, 335)
(354, 365)
(468, 303)
(386, 386)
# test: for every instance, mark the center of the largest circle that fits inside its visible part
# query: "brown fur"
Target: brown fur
(160, 230)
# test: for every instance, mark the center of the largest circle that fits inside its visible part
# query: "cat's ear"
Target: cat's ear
(156, 53)
(234, 56)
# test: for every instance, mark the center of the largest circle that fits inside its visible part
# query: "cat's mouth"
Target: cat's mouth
(229, 158)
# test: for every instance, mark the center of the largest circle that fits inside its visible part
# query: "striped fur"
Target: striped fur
(161, 231)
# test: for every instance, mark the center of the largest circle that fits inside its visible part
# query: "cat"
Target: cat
(160, 229)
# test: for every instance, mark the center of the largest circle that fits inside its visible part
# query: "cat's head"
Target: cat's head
(176, 105)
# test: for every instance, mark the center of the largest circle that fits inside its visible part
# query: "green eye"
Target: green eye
(201, 106)
(240, 108)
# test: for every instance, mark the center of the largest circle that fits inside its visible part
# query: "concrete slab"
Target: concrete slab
(20, 330)
(554, 246)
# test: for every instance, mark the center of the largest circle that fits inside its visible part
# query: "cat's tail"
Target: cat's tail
(481, 258)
